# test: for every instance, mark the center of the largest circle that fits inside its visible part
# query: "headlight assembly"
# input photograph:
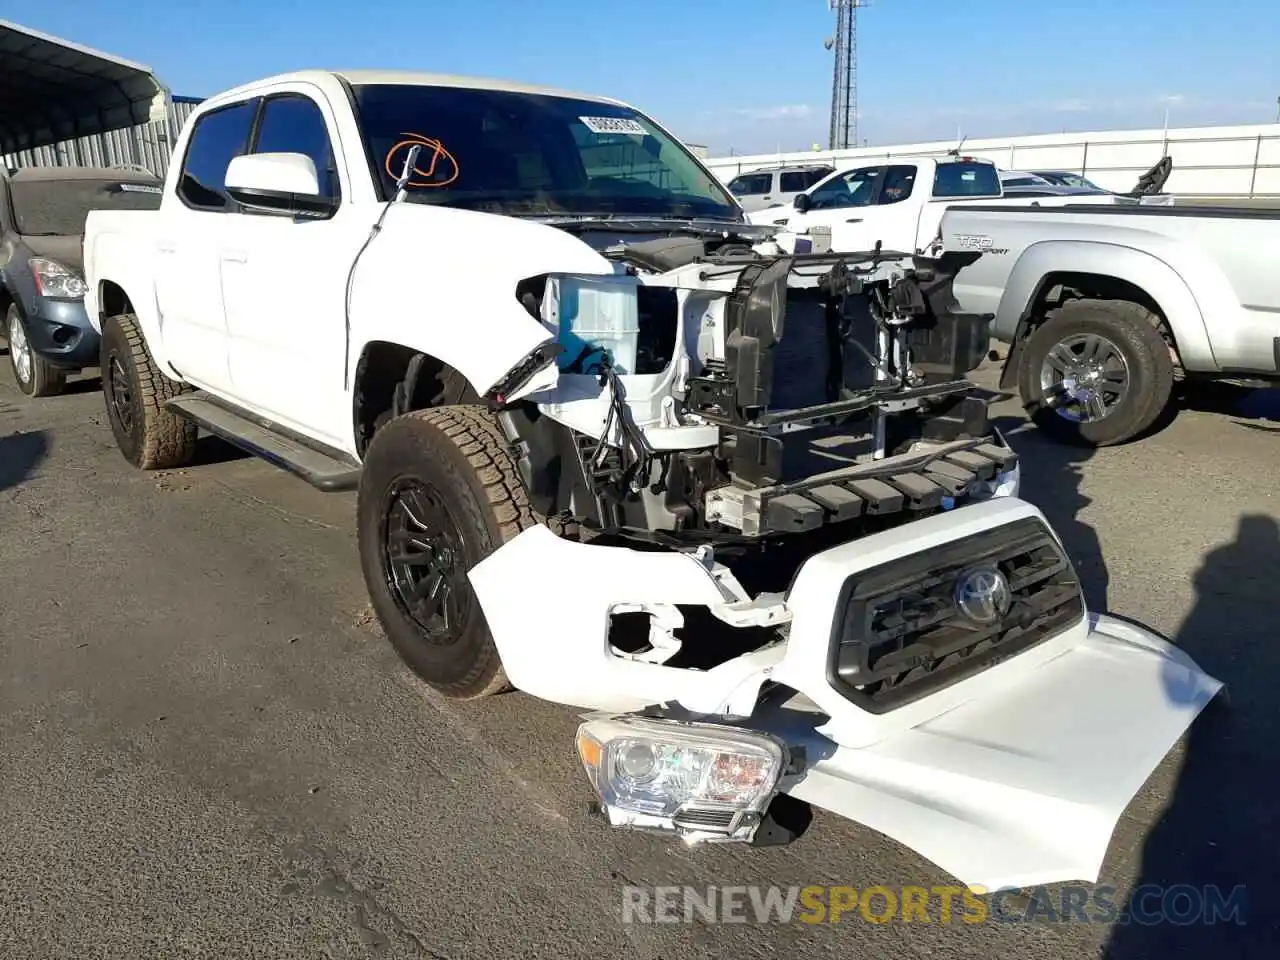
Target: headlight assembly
(55, 280)
(705, 782)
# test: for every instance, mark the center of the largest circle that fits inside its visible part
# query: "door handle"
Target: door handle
(854, 220)
(235, 256)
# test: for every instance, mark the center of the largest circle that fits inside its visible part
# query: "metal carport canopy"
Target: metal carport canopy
(52, 90)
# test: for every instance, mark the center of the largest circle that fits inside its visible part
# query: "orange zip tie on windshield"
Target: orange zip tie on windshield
(438, 154)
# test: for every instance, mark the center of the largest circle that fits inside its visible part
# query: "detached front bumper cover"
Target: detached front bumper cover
(1012, 776)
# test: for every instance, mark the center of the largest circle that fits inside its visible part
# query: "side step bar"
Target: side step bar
(330, 472)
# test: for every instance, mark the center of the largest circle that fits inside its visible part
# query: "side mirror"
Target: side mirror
(281, 183)
(801, 202)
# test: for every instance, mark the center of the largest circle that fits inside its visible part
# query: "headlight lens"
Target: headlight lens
(55, 280)
(703, 781)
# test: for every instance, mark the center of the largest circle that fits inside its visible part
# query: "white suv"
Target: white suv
(761, 189)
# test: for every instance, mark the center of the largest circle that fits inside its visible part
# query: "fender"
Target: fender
(123, 259)
(1146, 269)
(443, 281)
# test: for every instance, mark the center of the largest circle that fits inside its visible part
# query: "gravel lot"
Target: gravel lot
(208, 751)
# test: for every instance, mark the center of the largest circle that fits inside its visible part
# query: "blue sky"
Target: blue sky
(746, 75)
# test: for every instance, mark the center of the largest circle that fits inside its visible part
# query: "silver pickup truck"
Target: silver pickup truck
(1106, 308)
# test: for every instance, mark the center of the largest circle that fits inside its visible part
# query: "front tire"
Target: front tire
(35, 376)
(1096, 373)
(150, 436)
(439, 492)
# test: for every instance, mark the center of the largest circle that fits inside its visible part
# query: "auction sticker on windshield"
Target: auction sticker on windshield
(623, 125)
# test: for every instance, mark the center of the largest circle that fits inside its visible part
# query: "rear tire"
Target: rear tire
(150, 436)
(439, 492)
(34, 375)
(1133, 388)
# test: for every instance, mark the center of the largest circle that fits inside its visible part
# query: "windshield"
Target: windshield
(58, 208)
(518, 153)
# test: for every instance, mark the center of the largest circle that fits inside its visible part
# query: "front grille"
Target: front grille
(903, 634)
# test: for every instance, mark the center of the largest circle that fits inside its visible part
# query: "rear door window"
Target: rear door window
(751, 184)
(899, 181)
(798, 181)
(817, 176)
(793, 182)
(217, 138)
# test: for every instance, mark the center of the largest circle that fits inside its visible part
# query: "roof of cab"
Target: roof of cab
(411, 78)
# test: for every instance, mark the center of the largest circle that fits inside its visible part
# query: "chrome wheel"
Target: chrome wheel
(1084, 378)
(20, 349)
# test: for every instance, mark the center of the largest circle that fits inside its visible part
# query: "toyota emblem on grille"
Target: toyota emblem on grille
(983, 595)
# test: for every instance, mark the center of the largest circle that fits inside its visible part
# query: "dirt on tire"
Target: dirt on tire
(155, 438)
(461, 454)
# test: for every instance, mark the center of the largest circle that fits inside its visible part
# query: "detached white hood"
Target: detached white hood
(1024, 788)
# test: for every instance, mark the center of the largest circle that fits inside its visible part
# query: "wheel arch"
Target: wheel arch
(113, 300)
(1047, 271)
(391, 378)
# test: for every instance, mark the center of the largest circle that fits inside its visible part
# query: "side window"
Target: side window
(292, 123)
(898, 183)
(217, 138)
(852, 189)
(751, 184)
(817, 176)
(794, 182)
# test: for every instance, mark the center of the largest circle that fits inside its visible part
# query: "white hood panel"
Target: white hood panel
(1024, 788)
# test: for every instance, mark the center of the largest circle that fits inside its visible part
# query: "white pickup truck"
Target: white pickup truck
(617, 448)
(899, 203)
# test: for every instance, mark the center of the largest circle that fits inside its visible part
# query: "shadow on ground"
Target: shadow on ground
(83, 384)
(1051, 479)
(211, 450)
(1249, 409)
(1212, 855)
(20, 455)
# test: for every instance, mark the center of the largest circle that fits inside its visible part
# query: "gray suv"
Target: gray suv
(777, 187)
(42, 214)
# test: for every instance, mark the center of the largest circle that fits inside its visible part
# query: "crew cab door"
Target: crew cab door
(891, 217)
(191, 219)
(284, 279)
(862, 207)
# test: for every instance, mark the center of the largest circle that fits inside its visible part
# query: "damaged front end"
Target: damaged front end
(799, 566)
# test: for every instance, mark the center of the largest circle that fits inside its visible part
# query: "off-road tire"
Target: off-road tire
(46, 380)
(157, 438)
(461, 454)
(1133, 329)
